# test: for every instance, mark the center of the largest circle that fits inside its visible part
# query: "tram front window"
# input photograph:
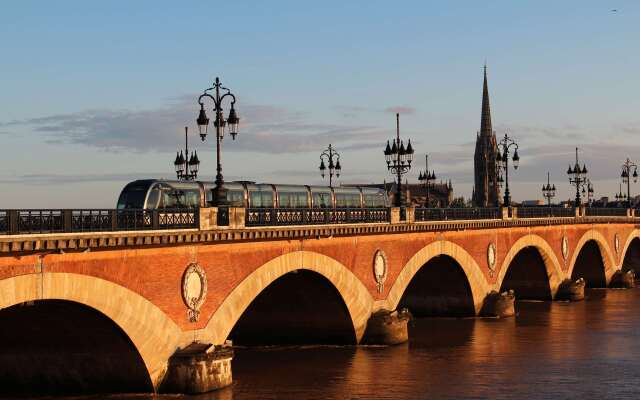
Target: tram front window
(132, 197)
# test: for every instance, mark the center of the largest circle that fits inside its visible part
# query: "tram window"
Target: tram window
(235, 198)
(292, 200)
(132, 197)
(255, 198)
(267, 199)
(261, 199)
(374, 200)
(153, 198)
(322, 200)
(209, 196)
(192, 198)
(180, 198)
(347, 200)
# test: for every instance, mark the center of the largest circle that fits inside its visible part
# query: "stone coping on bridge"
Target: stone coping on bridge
(87, 241)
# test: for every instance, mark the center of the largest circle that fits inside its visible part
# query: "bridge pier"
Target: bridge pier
(499, 305)
(571, 290)
(198, 368)
(387, 327)
(623, 279)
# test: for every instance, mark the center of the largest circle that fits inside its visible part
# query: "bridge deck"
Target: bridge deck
(85, 241)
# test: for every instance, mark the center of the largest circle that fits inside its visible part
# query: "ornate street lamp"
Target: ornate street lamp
(549, 191)
(398, 160)
(579, 178)
(620, 197)
(629, 170)
(588, 190)
(502, 162)
(426, 177)
(186, 166)
(219, 192)
(333, 161)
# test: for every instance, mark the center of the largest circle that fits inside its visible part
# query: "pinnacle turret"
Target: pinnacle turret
(485, 123)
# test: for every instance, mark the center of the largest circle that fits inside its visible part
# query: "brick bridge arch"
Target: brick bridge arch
(154, 335)
(353, 292)
(608, 260)
(551, 263)
(625, 248)
(473, 273)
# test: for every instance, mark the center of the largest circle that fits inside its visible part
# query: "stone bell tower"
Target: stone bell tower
(486, 192)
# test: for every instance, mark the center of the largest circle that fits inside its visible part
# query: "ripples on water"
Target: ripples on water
(584, 350)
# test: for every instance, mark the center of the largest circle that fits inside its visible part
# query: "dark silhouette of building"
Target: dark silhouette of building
(415, 194)
(440, 194)
(486, 192)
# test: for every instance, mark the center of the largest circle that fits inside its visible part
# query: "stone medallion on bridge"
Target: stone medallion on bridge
(491, 258)
(616, 243)
(380, 269)
(565, 247)
(194, 290)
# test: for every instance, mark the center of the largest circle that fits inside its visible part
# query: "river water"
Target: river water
(551, 350)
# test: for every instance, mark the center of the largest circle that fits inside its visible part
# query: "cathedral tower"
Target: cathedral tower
(486, 192)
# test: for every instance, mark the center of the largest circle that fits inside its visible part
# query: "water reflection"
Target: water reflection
(589, 349)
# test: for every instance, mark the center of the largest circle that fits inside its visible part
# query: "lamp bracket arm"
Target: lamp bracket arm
(233, 101)
(207, 95)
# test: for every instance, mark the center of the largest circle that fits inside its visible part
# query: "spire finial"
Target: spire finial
(485, 123)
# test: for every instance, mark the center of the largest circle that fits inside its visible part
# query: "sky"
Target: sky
(96, 94)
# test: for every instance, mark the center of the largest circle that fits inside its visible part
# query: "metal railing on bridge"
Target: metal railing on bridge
(449, 214)
(64, 221)
(545, 212)
(605, 212)
(314, 216)
(106, 220)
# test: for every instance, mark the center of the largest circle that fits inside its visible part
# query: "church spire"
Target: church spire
(485, 123)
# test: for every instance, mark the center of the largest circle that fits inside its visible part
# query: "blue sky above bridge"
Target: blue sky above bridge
(95, 94)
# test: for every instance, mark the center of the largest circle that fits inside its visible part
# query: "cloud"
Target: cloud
(54, 179)
(263, 129)
(535, 132)
(631, 128)
(400, 110)
(61, 179)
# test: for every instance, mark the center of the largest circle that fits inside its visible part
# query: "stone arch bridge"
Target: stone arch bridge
(113, 291)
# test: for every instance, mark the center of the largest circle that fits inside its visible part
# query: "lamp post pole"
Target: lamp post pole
(549, 191)
(186, 166)
(426, 178)
(219, 193)
(330, 154)
(398, 160)
(620, 196)
(626, 176)
(503, 159)
(587, 190)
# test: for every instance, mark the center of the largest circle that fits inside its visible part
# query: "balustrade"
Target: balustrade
(453, 214)
(545, 212)
(100, 220)
(106, 220)
(314, 216)
(605, 212)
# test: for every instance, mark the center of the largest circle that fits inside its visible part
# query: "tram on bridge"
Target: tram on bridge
(161, 194)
